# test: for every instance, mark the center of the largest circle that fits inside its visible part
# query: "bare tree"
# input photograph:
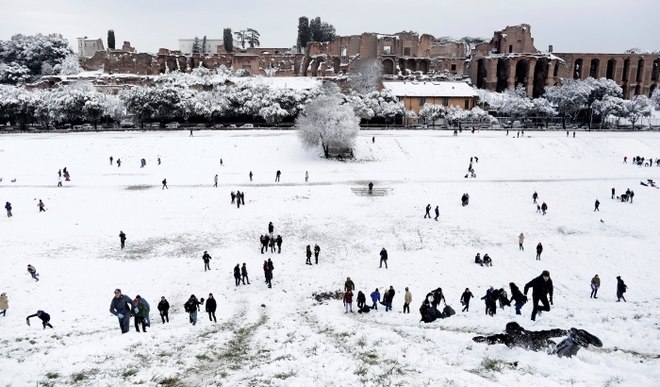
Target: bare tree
(365, 76)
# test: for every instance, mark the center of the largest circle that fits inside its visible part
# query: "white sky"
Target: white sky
(609, 26)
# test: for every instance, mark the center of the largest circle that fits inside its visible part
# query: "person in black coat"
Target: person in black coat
(490, 300)
(517, 296)
(211, 306)
(308, 254)
(207, 258)
(164, 309)
(244, 274)
(122, 239)
(517, 336)
(237, 274)
(465, 299)
(621, 288)
(278, 242)
(539, 250)
(383, 258)
(43, 316)
(317, 251)
(361, 300)
(541, 288)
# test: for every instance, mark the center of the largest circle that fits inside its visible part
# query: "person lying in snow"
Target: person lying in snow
(517, 336)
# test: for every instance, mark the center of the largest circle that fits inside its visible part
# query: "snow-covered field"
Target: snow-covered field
(283, 336)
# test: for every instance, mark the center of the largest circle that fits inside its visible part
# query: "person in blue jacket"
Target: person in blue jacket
(121, 306)
(375, 298)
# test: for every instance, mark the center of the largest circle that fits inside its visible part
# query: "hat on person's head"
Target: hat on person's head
(545, 273)
(618, 277)
(162, 297)
(406, 288)
(117, 290)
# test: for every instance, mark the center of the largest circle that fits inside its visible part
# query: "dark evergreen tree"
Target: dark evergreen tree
(240, 37)
(228, 39)
(315, 29)
(204, 45)
(303, 32)
(111, 39)
(195, 47)
(252, 37)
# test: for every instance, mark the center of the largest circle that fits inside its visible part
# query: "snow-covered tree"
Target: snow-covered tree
(608, 106)
(273, 114)
(69, 66)
(13, 73)
(366, 75)
(635, 109)
(455, 114)
(481, 116)
(569, 98)
(328, 121)
(32, 51)
(431, 113)
(655, 98)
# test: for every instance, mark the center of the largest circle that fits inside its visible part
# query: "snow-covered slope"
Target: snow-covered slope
(283, 336)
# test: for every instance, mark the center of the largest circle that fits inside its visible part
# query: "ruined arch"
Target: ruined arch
(411, 65)
(640, 70)
(388, 66)
(336, 64)
(611, 69)
(502, 75)
(423, 66)
(522, 73)
(655, 74)
(638, 90)
(577, 69)
(652, 89)
(626, 69)
(594, 68)
(540, 77)
(482, 73)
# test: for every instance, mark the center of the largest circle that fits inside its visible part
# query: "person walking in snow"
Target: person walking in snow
(165, 184)
(122, 239)
(465, 299)
(437, 213)
(383, 258)
(541, 289)
(215, 181)
(278, 242)
(596, 205)
(517, 296)
(4, 304)
(306, 176)
(375, 299)
(535, 196)
(118, 163)
(521, 240)
(140, 314)
(348, 301)
(121, 306)
(595, 284)
(361, 302)
(233, 197)
(268, 271)
(237, 274)
(317, 251)
(250, 175)
(389, 297)
(42, 206)
(271, 229)
(192, 307)
(277, 175)
(271, 244)
(407, 299)
(613, 192)
(110, 160)
(164, 309)
(244, 274)
(544, 208)
(59, 181)
(264, 243)
(43, 316)
(539, 250)
(621, 288)
(8, 208)
(211, 306)
(206, 258)
(428, 211)
(33, 272)
(308, 254)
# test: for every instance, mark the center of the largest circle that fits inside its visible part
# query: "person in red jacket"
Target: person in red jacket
(348, 301)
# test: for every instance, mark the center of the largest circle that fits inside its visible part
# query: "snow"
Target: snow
(292, 340)
(430, 89)
(293, 83)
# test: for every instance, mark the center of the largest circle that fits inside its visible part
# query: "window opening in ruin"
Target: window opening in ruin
(422, 101)
(387, 50)
(540, 77)
(445, 101)
(467, 104)
(640, 70)
(577, 69)
(406, 51)
(344, 51)
(502, 75)
(453, 67)
(652, 89)
(482, 74)
(638, 90)
(611, 68)
(656, 70)
(522, 72)
(593, 68)
(626, 69)
(510, 48)
(555, 72)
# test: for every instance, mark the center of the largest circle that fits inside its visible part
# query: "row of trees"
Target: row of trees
(314, 30)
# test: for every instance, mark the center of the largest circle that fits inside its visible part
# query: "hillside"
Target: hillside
(283, 336)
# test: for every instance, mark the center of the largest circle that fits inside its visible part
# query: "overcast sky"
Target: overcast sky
(604, 26)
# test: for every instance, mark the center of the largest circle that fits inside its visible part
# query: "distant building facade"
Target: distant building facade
(415, 95)
(186, 45)
(88, 47)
